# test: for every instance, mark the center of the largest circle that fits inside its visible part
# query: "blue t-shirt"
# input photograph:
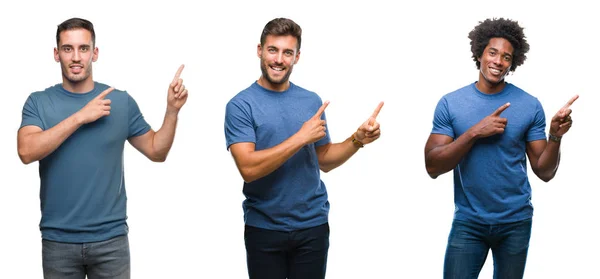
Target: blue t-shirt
(490, 182)
(293, 196)
(82, 189)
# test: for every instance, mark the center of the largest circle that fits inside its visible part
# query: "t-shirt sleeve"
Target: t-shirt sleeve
(31, 115)
(239, 126)
(137, 124)
(537, 131)
(442, 121)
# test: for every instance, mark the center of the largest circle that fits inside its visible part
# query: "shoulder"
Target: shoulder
(245, 95)
(115, 94)
(43, 95)
(460, 92)
(301, 90)
(522, 94)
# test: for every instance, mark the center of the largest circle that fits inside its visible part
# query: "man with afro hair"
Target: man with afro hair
(484, 132)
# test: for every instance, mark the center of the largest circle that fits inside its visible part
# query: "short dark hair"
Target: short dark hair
(76, 23)
(282, 27)
(499, 28)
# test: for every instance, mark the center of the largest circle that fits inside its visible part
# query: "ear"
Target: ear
(56, 57)
(258, 50)
(95, 56)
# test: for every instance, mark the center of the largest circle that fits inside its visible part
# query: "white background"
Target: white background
(388, 218)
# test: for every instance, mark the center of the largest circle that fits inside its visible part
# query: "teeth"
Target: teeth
(277, 68)
(495, 71)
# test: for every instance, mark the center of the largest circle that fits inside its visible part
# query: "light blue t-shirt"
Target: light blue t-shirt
(293, 196)
(82, 189)
(490, 182)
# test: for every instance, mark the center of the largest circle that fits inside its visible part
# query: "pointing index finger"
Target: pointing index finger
(377, 110)
(104, 93)
(321, 110)
(570, 102)
(501, 109)
(178, 74)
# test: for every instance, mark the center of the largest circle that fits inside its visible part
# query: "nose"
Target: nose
(497, 60)
(76, 55)
(279, 58)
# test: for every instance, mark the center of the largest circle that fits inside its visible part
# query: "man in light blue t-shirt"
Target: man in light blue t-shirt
(77, 131)
(484, 132)
(278, 137)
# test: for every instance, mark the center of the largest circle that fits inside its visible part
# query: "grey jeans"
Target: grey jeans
(103, 259)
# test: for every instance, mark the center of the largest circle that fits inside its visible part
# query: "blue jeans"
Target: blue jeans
(300, 254)
(104, 259)
(469, 243)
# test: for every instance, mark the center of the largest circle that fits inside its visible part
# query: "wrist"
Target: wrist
(554, 138)
(172, 111)
(78, 119)
(357, 143)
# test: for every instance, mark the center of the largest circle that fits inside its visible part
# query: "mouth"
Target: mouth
(277, 68)
(495, 71)
(76, 68)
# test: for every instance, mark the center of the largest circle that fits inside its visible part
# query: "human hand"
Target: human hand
(492, 124)
(369, 131)
(562, 121)
(96, 108)
(314, 128)
(177, 93)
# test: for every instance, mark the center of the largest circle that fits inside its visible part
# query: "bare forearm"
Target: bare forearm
(258, 164)
(547, 164)
(36, 146)
(164, 137)
(442, 159)
(337, 154)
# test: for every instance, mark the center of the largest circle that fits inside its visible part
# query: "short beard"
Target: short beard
(265, 74)
(78, 78)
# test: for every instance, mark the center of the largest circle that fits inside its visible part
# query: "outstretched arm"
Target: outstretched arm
(332, 156)
(544, 156)
(156, 145)
(34, 144)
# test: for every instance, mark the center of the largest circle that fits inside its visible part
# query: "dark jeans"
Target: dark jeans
(469, 243)
(300, 254)
(104, 259)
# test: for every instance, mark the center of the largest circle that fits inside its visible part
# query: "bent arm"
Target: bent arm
(254, 164)
(331, 156)
(442, 154)
(34, 144)
(156, 145)
(544, 158)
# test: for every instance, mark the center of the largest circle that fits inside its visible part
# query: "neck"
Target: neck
(487, 87)
(278, 87)
(83, 86)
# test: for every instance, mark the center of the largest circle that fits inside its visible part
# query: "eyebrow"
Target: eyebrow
(506, 53)
(71, 46)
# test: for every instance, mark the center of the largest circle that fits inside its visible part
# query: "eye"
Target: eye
(289, 53)
(507, 58)
(492, 53)
(272, 50)
(66, 49)
(85, 48)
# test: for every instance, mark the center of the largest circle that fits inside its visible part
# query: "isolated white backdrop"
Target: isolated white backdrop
(388, 218)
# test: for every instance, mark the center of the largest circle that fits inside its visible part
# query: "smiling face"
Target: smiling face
(496, 61)
(76, 52)
(278, 55)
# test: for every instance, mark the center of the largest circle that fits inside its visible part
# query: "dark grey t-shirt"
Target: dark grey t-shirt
(82, 189)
